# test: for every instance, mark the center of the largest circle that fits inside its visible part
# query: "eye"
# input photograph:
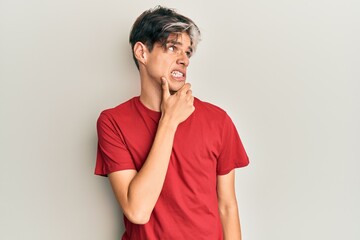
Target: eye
(189, 54)
(172, 48)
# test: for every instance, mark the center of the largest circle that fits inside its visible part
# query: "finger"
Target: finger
(192, 100)
(165, 87)
(184, 89)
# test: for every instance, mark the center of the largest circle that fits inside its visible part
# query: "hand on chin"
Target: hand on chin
(174, 84)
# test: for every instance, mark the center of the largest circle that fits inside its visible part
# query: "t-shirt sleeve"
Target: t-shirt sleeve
(112, 153)
(232, 154)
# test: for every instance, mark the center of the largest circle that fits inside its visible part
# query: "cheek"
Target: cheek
(161, 66)
(159, 69)
(165, 66)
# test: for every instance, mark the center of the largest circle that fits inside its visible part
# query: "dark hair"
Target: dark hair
(155, 25)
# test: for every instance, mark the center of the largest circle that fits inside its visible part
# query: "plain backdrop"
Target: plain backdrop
(287, 72)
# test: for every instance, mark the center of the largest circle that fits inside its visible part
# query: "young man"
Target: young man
(170, 157)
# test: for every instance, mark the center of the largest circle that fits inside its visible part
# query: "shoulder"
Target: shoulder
(209, 109)
(212, 114)
(121, 111)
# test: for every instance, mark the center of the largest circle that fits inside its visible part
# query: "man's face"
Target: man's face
(170, 62)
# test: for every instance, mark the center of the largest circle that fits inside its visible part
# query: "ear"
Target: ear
(140, 52)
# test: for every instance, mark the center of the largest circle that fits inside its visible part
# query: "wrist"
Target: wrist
(168, 123)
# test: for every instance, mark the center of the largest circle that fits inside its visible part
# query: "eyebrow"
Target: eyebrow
(179, 43)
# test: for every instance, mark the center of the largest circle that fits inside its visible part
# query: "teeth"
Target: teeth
(177, 74)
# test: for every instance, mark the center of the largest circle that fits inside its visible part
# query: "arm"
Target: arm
(228, 208)
(137, 192)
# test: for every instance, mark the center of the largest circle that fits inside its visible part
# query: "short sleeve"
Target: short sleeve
(112, 153)
(232, 154)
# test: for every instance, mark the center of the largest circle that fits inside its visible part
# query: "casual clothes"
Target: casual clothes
(205, 145)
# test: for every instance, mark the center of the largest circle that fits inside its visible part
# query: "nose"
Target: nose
(183, 60)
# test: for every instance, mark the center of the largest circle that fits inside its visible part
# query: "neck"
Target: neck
(151, 95)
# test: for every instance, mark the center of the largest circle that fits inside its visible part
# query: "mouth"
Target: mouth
(178, 75)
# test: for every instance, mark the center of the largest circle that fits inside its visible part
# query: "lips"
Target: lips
(178, 75)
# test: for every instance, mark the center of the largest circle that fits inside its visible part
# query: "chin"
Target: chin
(176, 83)
(176, 87)
(173, 91)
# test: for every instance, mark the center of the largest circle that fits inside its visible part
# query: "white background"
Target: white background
(287, 72)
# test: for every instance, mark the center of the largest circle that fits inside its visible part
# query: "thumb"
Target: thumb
(165, 87)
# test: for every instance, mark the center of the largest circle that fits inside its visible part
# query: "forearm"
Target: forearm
(228, 208)
(146, 186)
(230, 222)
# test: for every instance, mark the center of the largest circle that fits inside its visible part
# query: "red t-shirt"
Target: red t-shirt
(206, 144)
